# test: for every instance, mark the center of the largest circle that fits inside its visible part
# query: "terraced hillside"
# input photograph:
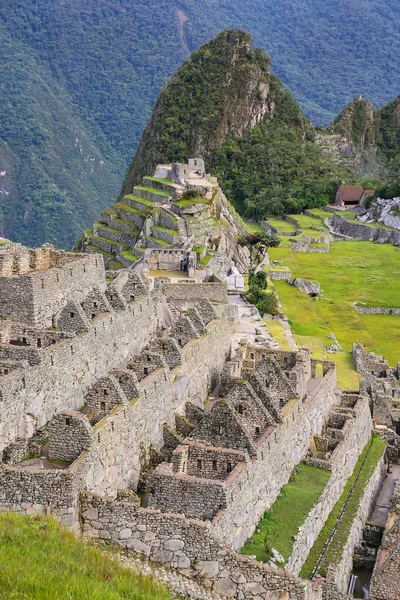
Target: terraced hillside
(163, 214)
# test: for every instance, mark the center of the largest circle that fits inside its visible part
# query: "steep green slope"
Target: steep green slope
(106, 60)
(222, 90)
(53, 178)
(226, 105)
(43, 561)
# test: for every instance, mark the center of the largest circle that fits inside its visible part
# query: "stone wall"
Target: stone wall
(343, 465)
(343, 569)
(279, 450)
(35, 297)
(376, 310)
(193, 291)
(359, 231)
(276, 275)
(64, 372)
(189, 546)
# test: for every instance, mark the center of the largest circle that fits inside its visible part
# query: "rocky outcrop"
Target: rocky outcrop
(223, 90)
(309, 287)
(358, 231)
(384, 211)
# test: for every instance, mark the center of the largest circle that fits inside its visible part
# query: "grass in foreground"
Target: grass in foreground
(43, 561)
(371, 453)
(281, 522)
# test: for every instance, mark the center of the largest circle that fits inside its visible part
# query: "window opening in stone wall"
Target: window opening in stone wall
(72, 315)
(252, 355)
(102, 406)
(228, 467)
(93, 316)
(240, 409)
(214, 465)
(105, 392)
(257, 431)
(199, 465)
(266, 383)
(94, 304)
(281, 402)
(52, 361)
(39, 343)
(145, 370)
(68, 421)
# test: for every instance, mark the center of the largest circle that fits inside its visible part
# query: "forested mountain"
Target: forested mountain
(90, 70)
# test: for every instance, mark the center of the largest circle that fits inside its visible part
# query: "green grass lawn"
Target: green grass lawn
(277, 332)
(282, 225)
(352, 271)
(40, 560)
(371, 453)
(281, 522)
(253, 227)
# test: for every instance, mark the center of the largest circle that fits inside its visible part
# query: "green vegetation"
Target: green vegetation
(130, 255)
(281, 523)
(363, 470)
(275, 168)
(100, 66)
(277, 331)
(41, 560)
(205, 260)
(265, 300)
(351, 272)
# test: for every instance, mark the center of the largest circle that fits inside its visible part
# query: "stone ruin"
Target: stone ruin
(109, 388)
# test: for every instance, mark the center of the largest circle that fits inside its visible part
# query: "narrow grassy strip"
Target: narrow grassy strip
(41, 560)
(363, 470)
(155, 191)
(281, 522)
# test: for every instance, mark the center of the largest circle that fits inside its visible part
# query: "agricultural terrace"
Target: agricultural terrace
(352, 272)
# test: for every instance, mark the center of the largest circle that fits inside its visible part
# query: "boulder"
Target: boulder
(310, 288)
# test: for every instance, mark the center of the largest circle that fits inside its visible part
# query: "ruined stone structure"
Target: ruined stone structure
(110, 386)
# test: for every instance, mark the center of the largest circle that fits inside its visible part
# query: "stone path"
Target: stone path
(382, 506)
(179, 586)
(249, 324)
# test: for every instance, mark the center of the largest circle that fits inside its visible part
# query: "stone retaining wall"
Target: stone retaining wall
(193, 291)
(189, 546)
(280, 275)
(359, 231)
(343, 465)
(376, 310)
(341, 572)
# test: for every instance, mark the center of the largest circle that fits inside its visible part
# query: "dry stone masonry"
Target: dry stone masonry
(127, 415)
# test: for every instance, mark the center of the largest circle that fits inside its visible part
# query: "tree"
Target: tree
(257, 245)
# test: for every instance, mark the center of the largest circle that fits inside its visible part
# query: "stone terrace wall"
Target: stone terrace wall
(278, 452)
(32, 396)
(189, 546)
(192, 291)
(359, 231)
(376, 310)
(341, 572)
(343, 465)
